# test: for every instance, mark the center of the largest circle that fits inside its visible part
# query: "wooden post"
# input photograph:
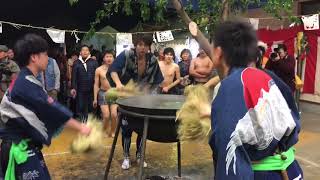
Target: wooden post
(225, 10)
(299, 73)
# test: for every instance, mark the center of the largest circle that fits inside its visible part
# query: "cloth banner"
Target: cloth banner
(254, 22)
(57, 36)
(124, 39)
(311, 22)
(164, 36)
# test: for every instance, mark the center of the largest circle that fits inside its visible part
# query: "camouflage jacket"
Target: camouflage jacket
(7, 68)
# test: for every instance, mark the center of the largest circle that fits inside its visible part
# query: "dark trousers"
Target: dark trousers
(34, 168)
(84, 102)
(72, 105)
(126, 139)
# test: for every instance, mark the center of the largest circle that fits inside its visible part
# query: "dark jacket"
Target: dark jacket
(82, 80)
(184, 68)
(284, 69)
(126, 66)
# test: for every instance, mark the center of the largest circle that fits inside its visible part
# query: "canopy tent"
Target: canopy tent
(99, 40)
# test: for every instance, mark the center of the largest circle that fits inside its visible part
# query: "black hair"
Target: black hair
(238, 41)
(259, 58)
(95, 52)
(84, 45)
(53, 52)
(262, 50)
(74, 53)
(282, 46)
(28, 45)
(186, 51)
(273, 55)
(169, 50)
(108, 51)
(146, 39)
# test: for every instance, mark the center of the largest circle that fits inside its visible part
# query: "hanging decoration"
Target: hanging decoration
(154, 39)
(124, 38)
(164, 36)
(254, 22)
(311, 22)
(56, 35)
(124, 42)
(73, 33)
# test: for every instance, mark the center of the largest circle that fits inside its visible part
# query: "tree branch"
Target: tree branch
(194, 30)
(225, 10)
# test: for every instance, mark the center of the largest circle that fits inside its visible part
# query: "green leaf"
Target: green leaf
(73, 2)
(208, 16)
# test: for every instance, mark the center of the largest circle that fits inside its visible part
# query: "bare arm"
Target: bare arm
(96, 85)
(69, 72)
(76, 125)
(116, 80)
(196, 33)
(193, 72)
(212, 82)
(178, 78)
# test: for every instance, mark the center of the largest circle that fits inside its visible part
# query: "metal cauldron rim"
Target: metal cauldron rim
(125, 102)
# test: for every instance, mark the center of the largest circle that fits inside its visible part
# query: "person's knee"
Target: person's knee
(114, 115)
(105, 115)
(105, 112)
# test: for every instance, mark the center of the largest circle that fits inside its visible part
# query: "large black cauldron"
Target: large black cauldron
(161, 111)
(154, 117)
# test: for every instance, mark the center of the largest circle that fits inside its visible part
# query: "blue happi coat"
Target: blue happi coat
(126, 65)
(27, 112)
(253, 114)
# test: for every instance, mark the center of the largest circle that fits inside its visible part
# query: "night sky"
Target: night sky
(59, 14)
(55, 13)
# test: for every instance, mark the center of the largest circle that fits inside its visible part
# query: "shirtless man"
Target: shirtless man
(99, 93)
(170, 71)
(201, 68)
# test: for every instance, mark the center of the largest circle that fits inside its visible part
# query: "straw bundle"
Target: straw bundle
(130, 89)
(92, 142)
(193, 125)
